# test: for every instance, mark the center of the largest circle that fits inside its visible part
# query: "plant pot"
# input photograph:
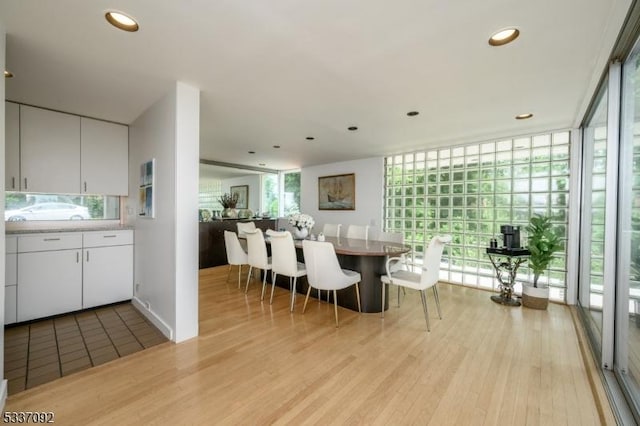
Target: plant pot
(535, 297)
(300, 233)
(230, 213)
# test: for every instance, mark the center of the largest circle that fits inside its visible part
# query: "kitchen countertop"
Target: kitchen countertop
(85, 228)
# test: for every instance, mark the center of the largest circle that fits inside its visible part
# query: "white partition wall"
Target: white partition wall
(166, 246)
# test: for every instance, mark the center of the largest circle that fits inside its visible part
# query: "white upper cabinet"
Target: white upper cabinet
(49, 151)
(12, 147)
(104, 157)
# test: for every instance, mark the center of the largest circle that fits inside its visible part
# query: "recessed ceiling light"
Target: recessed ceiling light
(252, 152)
(122, 21)
(412, 113)
(524, 116)
(310, 138)
(8, 74)
(503, 37)
(352, 128)
(276, 146)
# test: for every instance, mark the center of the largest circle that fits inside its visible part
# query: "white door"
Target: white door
(105, 157)
(12, 147)
(49, 151)
(107, 275)
(49, 283)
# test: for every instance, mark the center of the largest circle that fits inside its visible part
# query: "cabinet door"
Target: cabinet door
(49, 283)
(11, 269)
(12, 147)
(49, 151)
(107, 275)
(105, 157)
(10, 312)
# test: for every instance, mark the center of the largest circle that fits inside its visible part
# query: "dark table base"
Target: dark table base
(370, 268)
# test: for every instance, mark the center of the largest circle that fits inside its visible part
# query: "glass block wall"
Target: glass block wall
(469, 191)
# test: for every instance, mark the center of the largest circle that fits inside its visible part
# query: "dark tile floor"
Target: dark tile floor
(41, 351)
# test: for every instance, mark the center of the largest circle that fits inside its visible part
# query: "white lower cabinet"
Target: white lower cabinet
(10, 280)
(65, 272)
(49, 283)
(107, 275)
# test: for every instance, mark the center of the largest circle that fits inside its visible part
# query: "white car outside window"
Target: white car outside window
(48, 211)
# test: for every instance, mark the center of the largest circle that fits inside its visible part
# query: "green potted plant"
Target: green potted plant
(543, 242)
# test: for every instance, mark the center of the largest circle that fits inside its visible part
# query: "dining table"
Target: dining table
(368, 257)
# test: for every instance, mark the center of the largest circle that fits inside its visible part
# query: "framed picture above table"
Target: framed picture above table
(243, 196)
(337, 192)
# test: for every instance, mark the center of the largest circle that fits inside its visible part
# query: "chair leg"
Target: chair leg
(399, 295)
(293, 294)
(246, 289)
(384, 287)
(264, 283)
(229, 273)
(239, 274)
(273, 285)
(423, 296)
(319, 296)
(306, 299)
(335, 306)
(435, 293)
(358, 297)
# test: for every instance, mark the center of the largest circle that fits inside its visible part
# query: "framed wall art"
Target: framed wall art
(145, 192)
(243, 196)
(337, 192)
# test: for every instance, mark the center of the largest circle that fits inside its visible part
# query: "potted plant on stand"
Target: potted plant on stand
(542, 243)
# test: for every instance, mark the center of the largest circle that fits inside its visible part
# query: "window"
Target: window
(291, 193)
(21, 206)
(469, 191)
(269, 195)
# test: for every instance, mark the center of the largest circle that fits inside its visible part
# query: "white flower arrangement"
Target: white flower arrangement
(301, 220)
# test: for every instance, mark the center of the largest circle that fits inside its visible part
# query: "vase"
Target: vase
(230, 213)
(300, 233)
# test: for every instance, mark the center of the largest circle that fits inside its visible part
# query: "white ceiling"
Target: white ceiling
(273, 72)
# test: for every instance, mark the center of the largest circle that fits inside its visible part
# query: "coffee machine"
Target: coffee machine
(510, 236)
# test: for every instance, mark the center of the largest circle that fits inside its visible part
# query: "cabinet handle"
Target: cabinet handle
(77, 257)
(85, 186)
(87, 256)
(52, 239)
(13, 182)
(109, 236)
(25, 183)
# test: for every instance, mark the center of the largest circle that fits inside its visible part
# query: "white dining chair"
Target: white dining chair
(419, 281)
(257, 257)
(235, 254)
(244, 227)
(358, 232)
(331, 230)
(284, 262)
(324, 272)
(398, 238)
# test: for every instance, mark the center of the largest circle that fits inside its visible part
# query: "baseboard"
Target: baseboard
(3, 393)
(151, 316)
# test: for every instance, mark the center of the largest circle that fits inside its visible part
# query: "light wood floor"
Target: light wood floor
(259, 364)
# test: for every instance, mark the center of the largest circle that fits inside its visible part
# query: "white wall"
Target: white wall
(3, 387)
(369, 194)
(166, 247)
(187, 230)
